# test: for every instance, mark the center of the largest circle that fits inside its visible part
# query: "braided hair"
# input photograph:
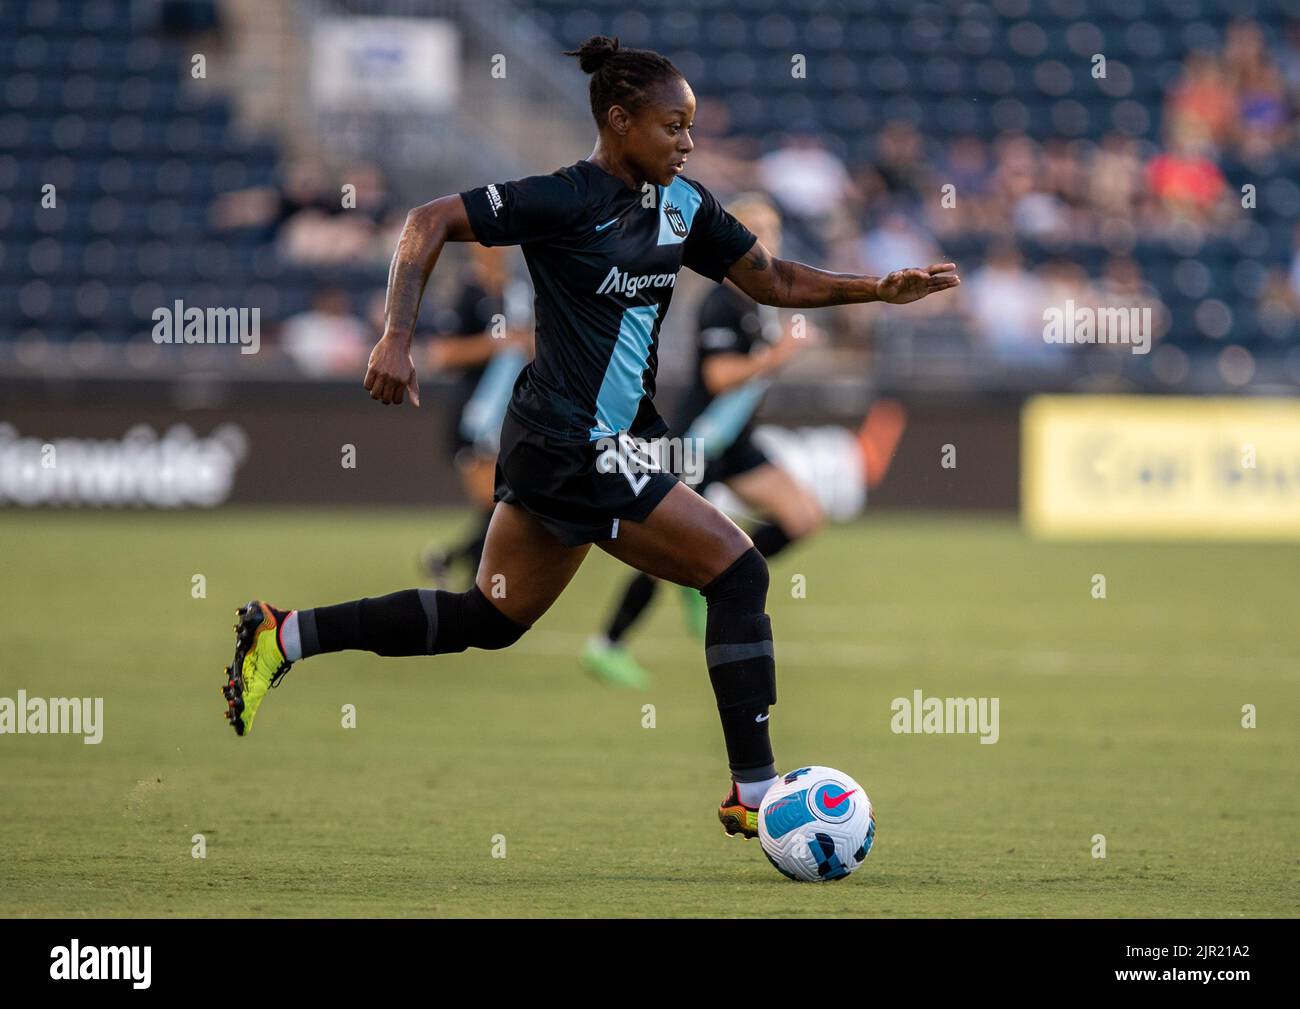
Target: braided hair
(625, 77)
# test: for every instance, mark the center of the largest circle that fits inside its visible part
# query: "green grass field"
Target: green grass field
(1119, 717)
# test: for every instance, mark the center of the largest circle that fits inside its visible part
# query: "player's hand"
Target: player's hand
(903, 286)
(391, 373)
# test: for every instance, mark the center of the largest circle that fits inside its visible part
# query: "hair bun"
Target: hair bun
(595, 52)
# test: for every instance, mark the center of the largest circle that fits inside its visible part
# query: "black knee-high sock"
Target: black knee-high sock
(742, 664)
(410, 622)
(640, 590)
(770, 539)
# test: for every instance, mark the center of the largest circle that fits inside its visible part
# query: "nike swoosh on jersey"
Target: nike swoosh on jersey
(602, 227)
(762, 718)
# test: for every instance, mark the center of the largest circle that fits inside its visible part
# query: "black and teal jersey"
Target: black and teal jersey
(604, 261)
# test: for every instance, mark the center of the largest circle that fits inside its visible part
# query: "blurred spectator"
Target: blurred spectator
(1123, 286)
(1262, 114)
(1006, 307)
(1056, 211)
(1288, 59)
(1115, 178)
(316, 237)
(967, 168)
(370, 189)
(895, 243)
(1202, 100)
(900, 160)
(327, 339)
(1278, 304)
(1032, 210)
(1184, 179)
(811, 185)
(312, 221)
(303, 187)
(1065, 280)
(1244, 52)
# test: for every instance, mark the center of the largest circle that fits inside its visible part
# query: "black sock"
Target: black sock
(742, 664)
(770, 540)
(640, 590)
(410, 622)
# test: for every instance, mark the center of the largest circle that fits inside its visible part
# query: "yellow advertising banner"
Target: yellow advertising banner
(1155, 467)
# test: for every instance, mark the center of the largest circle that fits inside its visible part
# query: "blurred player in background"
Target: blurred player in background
(488, 357)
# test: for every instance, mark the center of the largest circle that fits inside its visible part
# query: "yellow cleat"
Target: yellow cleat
(738, 820)
(258, 666)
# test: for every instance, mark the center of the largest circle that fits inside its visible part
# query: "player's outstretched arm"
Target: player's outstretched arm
(391, 370)
(786, 284)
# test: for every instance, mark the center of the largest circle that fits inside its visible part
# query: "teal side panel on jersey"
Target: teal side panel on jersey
(719, 423)
(622, 388)
(677, 205)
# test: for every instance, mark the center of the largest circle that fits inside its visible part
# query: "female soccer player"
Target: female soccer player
(604, 239)
(740, 345)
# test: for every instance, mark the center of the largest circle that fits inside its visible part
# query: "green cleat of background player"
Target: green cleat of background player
(614, 664)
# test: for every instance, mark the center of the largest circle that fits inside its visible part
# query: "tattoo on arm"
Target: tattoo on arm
(796, 285)
(783, 280)
(756, 259)
(787, 284)
(417, 252)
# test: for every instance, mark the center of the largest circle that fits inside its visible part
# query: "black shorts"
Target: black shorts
(741, 456)
(575, 495)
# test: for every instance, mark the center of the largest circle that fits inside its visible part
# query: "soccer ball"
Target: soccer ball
(816, 824)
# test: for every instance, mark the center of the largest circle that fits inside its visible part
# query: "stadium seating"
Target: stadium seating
(97, 105)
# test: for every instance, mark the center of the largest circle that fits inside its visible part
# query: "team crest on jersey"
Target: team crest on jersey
(677, 205)
(675, 219)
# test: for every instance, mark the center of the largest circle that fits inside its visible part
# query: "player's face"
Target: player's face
(663, 133)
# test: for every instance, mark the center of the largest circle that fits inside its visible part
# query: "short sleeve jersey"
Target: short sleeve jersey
(604, 260)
